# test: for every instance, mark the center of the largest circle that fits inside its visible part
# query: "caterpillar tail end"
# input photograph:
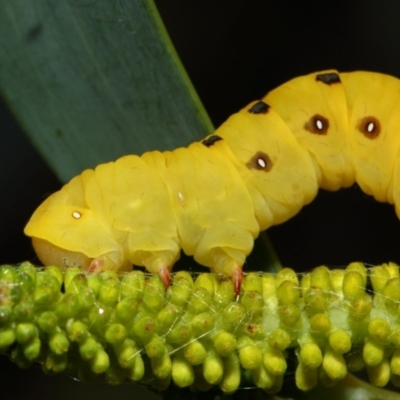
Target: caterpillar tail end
(237, 279)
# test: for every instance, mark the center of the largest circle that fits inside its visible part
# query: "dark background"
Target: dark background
(234, 52)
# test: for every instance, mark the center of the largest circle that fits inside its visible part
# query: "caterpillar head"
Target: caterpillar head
(70, 235)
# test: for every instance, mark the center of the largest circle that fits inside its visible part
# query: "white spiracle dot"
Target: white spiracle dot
(76, 215)
(319, 124)
(261, 163)
(370, 127)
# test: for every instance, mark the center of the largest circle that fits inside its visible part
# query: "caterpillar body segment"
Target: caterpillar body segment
(212, 198)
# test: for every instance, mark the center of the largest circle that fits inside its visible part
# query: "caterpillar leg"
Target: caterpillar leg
(165, 275)
(237, 279)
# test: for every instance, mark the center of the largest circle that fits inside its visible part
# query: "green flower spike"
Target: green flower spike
(196, 333)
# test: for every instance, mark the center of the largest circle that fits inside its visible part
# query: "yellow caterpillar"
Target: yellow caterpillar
(211, 199)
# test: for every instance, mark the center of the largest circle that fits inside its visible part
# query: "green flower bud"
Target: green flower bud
(379, 276)
(379, 330)
(180, 290)
(224, 294)
(132, 285)
(392, 269)
(144, 328)
(109, 291)
(289, 315)
(58, 343)
(182, 372)
(395, 363)
(253, 303)
(334, 364)
(337, 276)
(115, 334)
(213, 367)
(252, 282)
(279, 339)
(180, 334)
(306, 378)
(153, 294)
(57, 273)
(202, 324)
(47, 290)
(360, 268)
(30, 270)
(249, 354)
(206, 281)
(26, 282)
(156, 347)
(68, 307)
(199, 301)
(232, 315)
(391, 294)
(269, 289)
(230, 380)
(195, 352)
(315, 300)
(26, 332)
(126, 308)
(286, 274)
(224, 343)
(340, 341)
(288, 292)
(88, 348)
(360, 308)
(310, 356)
(47, 321)
(373, 353)
(7, 338)
(69, 275)
(262, 378)
(31, 349)
(167, 317)
(136, 372)
(77, 331)
(94, 282)
(100, 362)
(321, 278)
(126, 353)
(353, 285)
(274, 362)
(379, 374)
(24, 311)
(320, 323)
(162, 367)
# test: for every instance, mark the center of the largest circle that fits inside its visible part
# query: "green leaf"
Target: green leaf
(90, 81)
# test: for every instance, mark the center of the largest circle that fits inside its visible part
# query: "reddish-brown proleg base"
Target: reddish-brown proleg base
(165, 276)
(237, 279)
(95, 265)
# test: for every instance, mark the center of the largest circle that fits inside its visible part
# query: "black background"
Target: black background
(234, 52)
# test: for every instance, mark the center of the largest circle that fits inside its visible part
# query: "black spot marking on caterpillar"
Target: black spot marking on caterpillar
(317, 124)
(328, 78)
(211, 140)
(260, 161)
(259, 108)
(370, 127)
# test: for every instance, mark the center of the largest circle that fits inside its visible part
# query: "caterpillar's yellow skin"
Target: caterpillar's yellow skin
(212, 198)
